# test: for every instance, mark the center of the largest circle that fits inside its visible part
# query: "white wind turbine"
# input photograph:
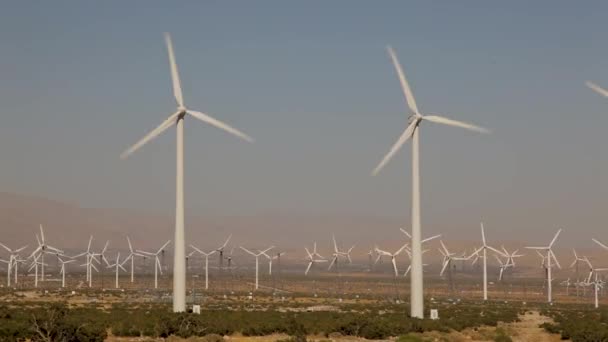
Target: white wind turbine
(448, 258)
(417, 295)
(271, 259)
(393, 257)
(502, 266)
(157, 265)
(597, 285)
(177, 119)
(484, 247)
(62, 270)
(35, 263)
(511, 257)
(257, 261)
(43, 247)
(311, 258)
(597, 88)
(89, 257)
(131, 257)
(11, 263)
(220, 250)
(576, 262)
(207, 255)
(118, 266)
(550, 256)
(337, 253)
(591, 269)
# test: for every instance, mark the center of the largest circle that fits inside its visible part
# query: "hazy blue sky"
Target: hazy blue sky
(312, 83)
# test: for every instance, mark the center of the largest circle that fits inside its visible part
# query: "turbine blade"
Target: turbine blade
(483, 235)
(554, 238)
(226, 243)
(454, 123)
(597, 88)
(248, 251)
(333, 236)
(555, 259)
(8, 249)
(333, 261)
(177, 88)
(41, 234)
(219, 124)
(409, 236)
(395, 267)
(163, 247)
(407, 91)
(445, 264)
(600, 244)
(308, 268)
(153, 134)
(402, 139)
(130, 246)
(430, 238)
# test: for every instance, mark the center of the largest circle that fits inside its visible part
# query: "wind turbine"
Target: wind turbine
(257, 261)
(157, 266)
(447, 262)
(43, 247)
(89, 258)
(576, 262)
(598, 284)
(337, 253)
(484, 247)
(416, 118)
(220, 250)
(503, 266)
(62, 270)
(314, 251)
(207, 255)
(591, 269)
(12, 262)
(36, 262)
(597, 88)
(550, 256)
(511, 257)
(131, 257)
(393, 257)
(177, 119)
(118, 266)
(311, 259)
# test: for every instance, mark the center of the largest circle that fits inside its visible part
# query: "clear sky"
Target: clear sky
(312, 83)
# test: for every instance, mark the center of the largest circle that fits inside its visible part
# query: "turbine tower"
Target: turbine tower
(550, 256)
(417, 294)
(177, 119)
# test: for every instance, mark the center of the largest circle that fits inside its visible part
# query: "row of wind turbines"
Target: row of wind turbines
(177, 119)
(505, 259)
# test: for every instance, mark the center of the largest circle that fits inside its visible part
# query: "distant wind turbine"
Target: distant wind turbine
(550, 256)
(177, 119)
(412, 130)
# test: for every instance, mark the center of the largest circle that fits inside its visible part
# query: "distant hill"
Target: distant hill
(68, 226)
